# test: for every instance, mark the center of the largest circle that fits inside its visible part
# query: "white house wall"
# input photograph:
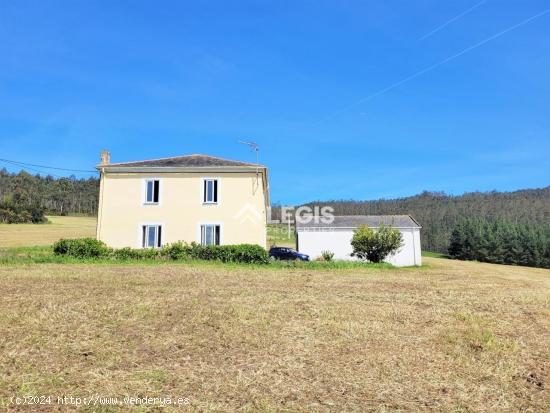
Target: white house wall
(312, 242)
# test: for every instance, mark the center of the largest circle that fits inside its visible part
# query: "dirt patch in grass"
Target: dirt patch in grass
(455, 336)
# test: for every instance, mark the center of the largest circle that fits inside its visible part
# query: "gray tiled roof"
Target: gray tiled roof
(354, 221)
(184, 161)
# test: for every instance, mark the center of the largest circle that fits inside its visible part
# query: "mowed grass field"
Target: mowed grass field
(77, 227)
(279, 235)
(450, 336)
(18, 235)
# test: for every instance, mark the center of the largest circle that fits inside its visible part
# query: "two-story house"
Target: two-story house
(200, 198)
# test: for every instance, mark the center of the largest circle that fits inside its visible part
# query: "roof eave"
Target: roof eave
(415, 221)
(169, 169)
(355, 227)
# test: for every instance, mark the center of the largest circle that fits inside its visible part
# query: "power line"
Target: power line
(36, 170)
(44, 166)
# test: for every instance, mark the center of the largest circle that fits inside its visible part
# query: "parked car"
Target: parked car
(284, 253)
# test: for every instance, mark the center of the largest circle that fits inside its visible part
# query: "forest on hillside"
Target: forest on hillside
(23, 196)
(501, 242)
(439, 213)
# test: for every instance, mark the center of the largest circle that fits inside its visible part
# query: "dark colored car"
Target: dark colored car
(284, 253)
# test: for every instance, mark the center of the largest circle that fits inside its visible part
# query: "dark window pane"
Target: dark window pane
(159, 242)
(215, 198)
(156, 191)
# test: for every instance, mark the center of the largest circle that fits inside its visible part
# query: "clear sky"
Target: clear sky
(347, 99)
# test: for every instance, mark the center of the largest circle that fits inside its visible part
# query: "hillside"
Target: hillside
(435, 211)
(438, 213)
(57, 196)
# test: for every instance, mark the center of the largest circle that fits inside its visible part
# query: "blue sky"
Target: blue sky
(351, 99)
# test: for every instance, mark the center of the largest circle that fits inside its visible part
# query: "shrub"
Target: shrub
(245, 253)
(61, 247)
(15, 213)
(176, 251)
(81, 248)
(327, 255)
(374, 246)
(136, 254)
(92, 248)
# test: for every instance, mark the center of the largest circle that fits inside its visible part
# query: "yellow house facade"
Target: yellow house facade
(193, 198)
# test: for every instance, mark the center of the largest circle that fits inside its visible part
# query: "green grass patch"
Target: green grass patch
(475, 334)
(45, 255)
(434, 254)
(279, 235)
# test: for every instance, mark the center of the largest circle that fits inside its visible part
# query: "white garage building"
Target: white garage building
(315, 236)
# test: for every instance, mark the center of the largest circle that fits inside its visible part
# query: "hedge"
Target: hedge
(90, 248)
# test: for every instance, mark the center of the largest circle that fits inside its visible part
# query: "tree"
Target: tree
(55, 196)
(501, 242)
(438, 213)
(374, 246)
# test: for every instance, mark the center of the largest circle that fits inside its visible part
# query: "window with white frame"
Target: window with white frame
(151, 236)
(210, 234)
(152, 191)
(210, 191)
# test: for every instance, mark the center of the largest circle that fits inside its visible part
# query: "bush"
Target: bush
(61, 247)
(176, 251)
(92, 248)
(327, 255)
(245, 253)
(136, 254)
(81, 248)
(374, 246)
(15, 213)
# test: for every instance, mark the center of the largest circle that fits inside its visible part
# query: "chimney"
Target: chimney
(105, 157)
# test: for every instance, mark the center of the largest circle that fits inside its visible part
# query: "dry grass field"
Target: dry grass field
(448, 337)
(18, 235)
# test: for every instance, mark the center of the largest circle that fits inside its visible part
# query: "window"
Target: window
(210, 191)
(151, 236)
(152, 190)
(210, 234)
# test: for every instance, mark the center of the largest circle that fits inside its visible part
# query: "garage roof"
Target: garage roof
(354, 221)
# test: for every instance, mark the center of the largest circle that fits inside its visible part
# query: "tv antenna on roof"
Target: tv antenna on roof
(254, 146)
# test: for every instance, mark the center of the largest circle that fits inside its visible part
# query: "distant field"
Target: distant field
(20, 235)
(279, 235)
(434, 254)
(451, 337)
(17, 235)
